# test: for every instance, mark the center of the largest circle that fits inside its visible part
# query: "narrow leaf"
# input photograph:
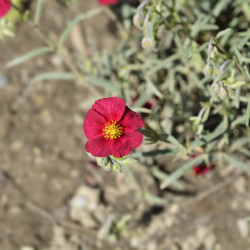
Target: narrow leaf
(200, 49)
(142, 110)
(237, 162)
(53, 76)
(220, 6)
(224, 32)
(248, 114)
(181, 171)
(172, 139)
(32, 54)
(106, 84)
(210, 137)
(75, 21)
(38, 11)
(154, 89)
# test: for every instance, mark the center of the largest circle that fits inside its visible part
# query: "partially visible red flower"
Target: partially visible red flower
(148, 105)
(111, 128)
(107, 2)
(5, 6)
(202, 168)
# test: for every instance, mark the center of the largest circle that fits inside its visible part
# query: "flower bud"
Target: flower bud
(222, 93)
(215, 87)
(208, 70)
(137, 21)
(148, 43)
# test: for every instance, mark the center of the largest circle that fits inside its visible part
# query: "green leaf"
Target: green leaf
(154, 153)
(142, 110)
(75, 21)
(179, 45)
(237, 162)
(163, 64)
(124, 160)
(235, 85)
(240, 143)
(202, 24)
(238, 121)
(200, 49)
(106, 84)
(153, 88)
(53, 76)
(32, 54)
(38, 11)
(172, 139)
(142, 100)
(160, 175)
(220, 6)
(181, 171)
(154, 199)
(149, 132)
(220, 130)
(224, 32)
(248, 114)
(245, 152)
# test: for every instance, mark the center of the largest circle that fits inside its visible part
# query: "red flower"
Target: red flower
(5, 6)
(111, 128)
(107, 2)
(202, 168)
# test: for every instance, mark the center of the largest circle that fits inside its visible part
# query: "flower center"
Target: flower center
(112, 130)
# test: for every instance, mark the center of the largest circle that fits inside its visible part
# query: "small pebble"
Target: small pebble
(3, 80)
(243, 227)
(78, 201)
(27, 248)
(16, 146)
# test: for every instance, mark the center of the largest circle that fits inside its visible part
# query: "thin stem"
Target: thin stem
(113, 17)
(140, 8)
(243, 72)
(146, 23)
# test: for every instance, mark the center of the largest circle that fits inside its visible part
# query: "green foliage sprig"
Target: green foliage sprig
(190, 59)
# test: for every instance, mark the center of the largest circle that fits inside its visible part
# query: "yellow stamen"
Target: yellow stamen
(112, 130)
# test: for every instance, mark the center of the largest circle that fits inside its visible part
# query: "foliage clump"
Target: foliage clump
(184, 65)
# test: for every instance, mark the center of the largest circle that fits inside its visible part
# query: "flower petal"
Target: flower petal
(111, 108)
(5, 6)
(125, 144)
(99, 147)
(201, 169)
(93, 124)
(131, 120)
(107, 2)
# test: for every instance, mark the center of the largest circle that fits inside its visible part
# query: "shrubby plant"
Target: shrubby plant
(190, 60)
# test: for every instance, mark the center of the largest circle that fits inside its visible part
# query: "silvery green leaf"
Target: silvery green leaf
(53, 76)
(248, 114)
(236, 85)
(75, 21)
(30, 55)
(224, 32)
(38, 12)
(236, 162)
(181, 171)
